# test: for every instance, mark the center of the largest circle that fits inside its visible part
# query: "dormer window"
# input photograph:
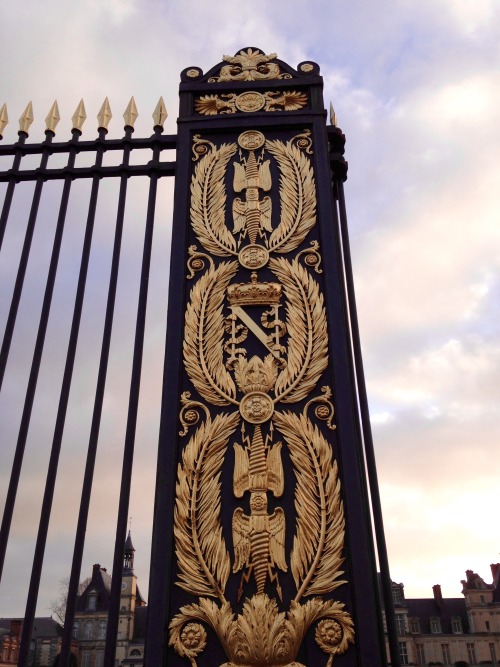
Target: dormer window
(456, 626)
(435, 625)
(415, 626)
(92, 601)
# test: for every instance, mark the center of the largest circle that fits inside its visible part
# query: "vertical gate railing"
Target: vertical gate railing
(154, 169)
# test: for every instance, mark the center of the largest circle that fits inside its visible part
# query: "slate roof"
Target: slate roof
(446, 609)
(101, 583)
(44, 626)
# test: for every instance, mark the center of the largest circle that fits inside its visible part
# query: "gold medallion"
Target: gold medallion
(251, 140)
(256, 407)
(253, 256)
(250, 101)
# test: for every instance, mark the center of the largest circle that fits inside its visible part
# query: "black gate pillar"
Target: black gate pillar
(262, 546)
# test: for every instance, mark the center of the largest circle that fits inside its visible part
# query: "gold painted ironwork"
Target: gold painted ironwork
(79, 117)
(223, 313)
(53, 118)
(26, 118)
(249, 65)
(4, 118)
(249, 102)
(160, 113)
(104, 115)
(131, 113)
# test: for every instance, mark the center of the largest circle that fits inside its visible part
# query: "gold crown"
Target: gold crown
(254, 293)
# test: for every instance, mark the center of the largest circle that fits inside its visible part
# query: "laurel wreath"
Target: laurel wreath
(306, 325)
(204, 562)
(297, 195)
(316, 555)
(204, 328)
(208, 202)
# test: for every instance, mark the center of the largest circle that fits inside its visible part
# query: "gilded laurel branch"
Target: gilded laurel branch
(208, 201)
(204, 329)
(297, 195)
(316, 555)
(203, 559)
(307, 331)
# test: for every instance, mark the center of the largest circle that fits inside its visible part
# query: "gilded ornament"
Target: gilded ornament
(325, 410)
(253, 256)
(248, 65)
(252, 216)
(250, 101)
(189, 414)
(312, 257)
(196, 261)
(306, 67)
(256, 407)
(204, 329)
(193, 73)
(258, 539)
(251, 140)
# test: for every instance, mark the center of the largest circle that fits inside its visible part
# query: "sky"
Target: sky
(416, 88)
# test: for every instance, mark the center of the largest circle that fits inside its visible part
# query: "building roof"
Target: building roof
(445, 609)
(100, 583)
(43, 626)
(128, 543)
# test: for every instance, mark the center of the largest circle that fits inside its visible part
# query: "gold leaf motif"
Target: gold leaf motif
(208, 201)
(316, 555)
(307, 331)
(261, 634)
(204, 328)
(202, 556)
(297, 195)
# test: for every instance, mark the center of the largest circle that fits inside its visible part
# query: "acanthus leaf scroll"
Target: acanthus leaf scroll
(251, 344)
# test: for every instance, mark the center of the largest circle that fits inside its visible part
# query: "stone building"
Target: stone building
(91, 616)
(45, 641)
(451, 631)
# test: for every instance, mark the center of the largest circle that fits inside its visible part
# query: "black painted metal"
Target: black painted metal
(368, 439)
(63, 404)
(18, 154)
(21, 273)
(36, 571)
(128, 453)
(350, 390)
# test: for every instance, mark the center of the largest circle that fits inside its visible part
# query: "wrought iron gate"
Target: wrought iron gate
(265, 120)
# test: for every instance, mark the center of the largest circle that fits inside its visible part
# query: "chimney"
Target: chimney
(95, 570)
(495, 571)
(438, 596)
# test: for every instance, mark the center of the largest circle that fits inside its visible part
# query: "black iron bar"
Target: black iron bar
(164, 168)
(76, 564)
(23, 262)
(67, 377)
(4, 351)
(29, 616)
(128, 453)
(367, 437)
(166, 141)
(18, 154)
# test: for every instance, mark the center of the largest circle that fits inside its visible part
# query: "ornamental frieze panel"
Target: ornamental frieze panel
(250, 101)
(259, 520)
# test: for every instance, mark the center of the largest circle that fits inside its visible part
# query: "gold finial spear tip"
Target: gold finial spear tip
(53, 118)
(4, 118)
(104, 115)
(130, 114)
(160, 113)
(333, 116)
(79, 117)
(26, 118)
